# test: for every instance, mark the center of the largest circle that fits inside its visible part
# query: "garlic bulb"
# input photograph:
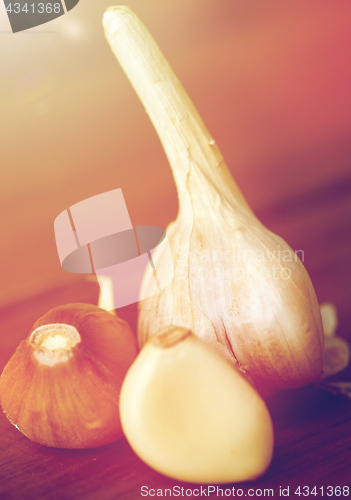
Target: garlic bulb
(61, 387)
(188, 414)
(236, 285)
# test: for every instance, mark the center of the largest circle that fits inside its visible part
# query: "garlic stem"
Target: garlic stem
(105, 292)
(186, 140)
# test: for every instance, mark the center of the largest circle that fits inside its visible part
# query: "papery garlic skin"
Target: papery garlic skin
(236, 285)
(191, 416)
(61, 387)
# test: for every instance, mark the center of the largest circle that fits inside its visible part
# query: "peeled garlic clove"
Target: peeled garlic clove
(236, 285)
(191, 416)
(61, 387)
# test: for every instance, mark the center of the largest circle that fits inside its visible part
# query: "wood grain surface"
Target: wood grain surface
(312, 427)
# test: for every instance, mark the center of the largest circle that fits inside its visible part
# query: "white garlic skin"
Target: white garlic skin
(268, 325)
(191, 416)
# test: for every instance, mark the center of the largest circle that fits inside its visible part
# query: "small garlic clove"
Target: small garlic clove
(329, 315)
(61, 387)
(336, 356)
(191, 416)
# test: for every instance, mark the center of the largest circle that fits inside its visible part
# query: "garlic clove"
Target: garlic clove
(61, 387)
(336, 356)
(191, 416)
(236, 285)
(329, 316)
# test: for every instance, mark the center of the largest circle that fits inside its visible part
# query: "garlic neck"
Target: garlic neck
(193, 154)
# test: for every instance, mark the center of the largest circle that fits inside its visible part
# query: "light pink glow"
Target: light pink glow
(65, 240)
(100, 216)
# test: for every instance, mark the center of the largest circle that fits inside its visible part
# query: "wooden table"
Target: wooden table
(312, 427)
